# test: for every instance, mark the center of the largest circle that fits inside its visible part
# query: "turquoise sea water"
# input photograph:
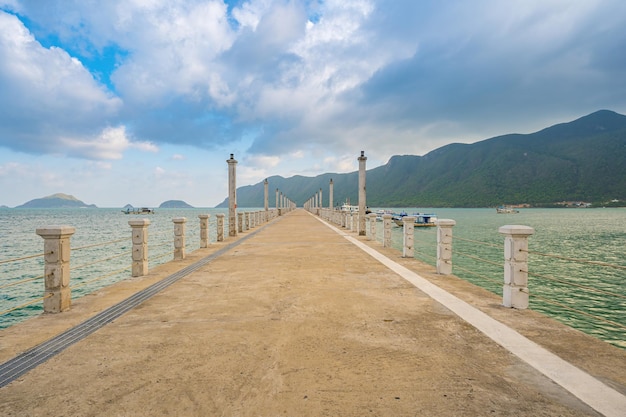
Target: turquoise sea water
(562, 289)
(587, 297)
(93, 226)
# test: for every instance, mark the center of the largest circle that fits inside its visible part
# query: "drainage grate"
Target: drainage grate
(18, 366)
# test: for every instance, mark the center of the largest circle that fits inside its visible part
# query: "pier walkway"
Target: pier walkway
(298, 318)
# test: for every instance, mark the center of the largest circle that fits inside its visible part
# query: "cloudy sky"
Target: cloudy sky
(141, 101)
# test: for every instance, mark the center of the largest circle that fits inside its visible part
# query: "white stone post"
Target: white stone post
(330, 194)
(266, 195)
(220, 226)
(232, 196)
(515, 289)
(408, 227)
(444, 246)
(240, 221)
(56, 247)
(277, 207)
(179, 238)
(204, 230)
(321, 205)
(362, 204)
(247, 218)
(387, 230)
(140, 246)
(372, 218)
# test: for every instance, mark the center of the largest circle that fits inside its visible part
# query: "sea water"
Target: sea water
(562, 289)
(585, 296)
(92, 267)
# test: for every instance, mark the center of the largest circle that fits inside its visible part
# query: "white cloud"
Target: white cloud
(46, 93)
(111, 143)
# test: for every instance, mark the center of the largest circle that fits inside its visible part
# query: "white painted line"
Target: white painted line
(585, 387)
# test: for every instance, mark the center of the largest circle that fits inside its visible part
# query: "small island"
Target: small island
(58, 200)
(174, 204)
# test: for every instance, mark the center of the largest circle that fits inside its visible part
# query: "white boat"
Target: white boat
(506, 210)
(349, 209)
(381, 213)
(421, 219)
(141, 210)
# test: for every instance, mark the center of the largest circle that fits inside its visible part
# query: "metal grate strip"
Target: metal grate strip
(18, 366)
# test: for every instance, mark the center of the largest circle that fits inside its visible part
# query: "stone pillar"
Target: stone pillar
(408, 227)
(330, 194)
(387, 230)
(321, 203)
(266, 194)
(277, 206)
(515, 290)
(372, 218)
(179, 238)
(362, 204)
(247, 217)
(140, 247)
(444, 246)
(204, 230)
(220, 226)
(240, 221)
(232, 196)
(56, 248)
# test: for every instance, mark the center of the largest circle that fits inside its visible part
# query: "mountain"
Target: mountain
(174, 204)
(56, 201)
(582, 160)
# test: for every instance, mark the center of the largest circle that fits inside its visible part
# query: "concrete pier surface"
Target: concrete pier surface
(297, 320)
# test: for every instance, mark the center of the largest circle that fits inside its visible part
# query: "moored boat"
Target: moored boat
(141, 210)
(506, 210)
(421, 219)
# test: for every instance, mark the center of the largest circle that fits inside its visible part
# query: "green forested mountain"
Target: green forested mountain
(581, 160)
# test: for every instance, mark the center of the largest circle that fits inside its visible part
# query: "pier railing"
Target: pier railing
(81, 270)
(505, 268)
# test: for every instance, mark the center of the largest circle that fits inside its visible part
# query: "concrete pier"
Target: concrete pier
(299, 318)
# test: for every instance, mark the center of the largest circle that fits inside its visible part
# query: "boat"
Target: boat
(349, 209)
(421, 219)
(381, 213)
(506, 210)
(141, 210)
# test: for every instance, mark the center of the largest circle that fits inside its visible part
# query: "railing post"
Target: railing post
(140, 246)
(266, 195)
(360, 228)
(372, 235)
(179, 238)
(444, 246)
(408, 227)
(232, 196)
(387, 230)
(515, 289)
(56, 244)
(220, 227)
(240, 221)
(204, 230)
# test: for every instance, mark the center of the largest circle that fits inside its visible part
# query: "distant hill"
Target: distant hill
(175, 204)
(583, 160)
(58, 200)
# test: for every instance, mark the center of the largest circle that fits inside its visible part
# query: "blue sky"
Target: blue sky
(142, 101)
